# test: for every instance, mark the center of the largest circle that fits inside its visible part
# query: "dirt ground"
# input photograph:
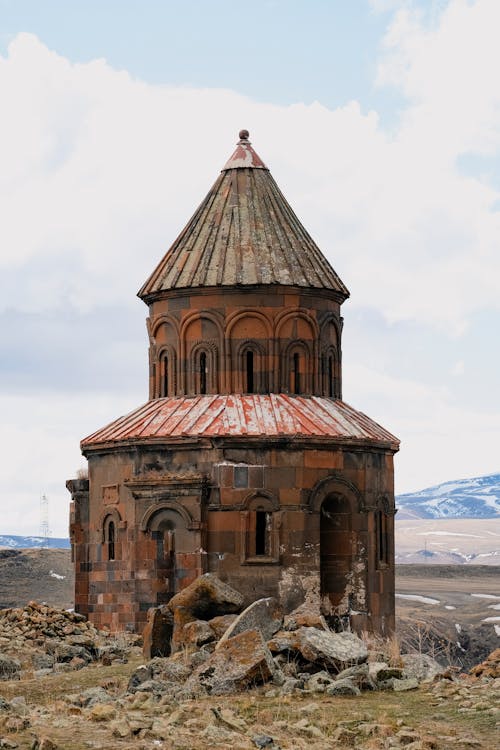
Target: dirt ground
(43, 575)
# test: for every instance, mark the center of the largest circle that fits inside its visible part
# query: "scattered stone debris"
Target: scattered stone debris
(49, 639)
(170, 701)
(252, 650)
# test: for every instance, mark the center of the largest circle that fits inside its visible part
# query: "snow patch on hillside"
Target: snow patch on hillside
(478, 497)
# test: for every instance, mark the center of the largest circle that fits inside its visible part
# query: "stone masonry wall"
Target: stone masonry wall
(178, 512)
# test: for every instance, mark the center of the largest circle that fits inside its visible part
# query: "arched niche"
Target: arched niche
(247, 339)
(336, 505)
(383, 532)
(172, 542)
(331, 366)
(335, 484)
(201, 353)
(330, 331)
(165, 330)
(260, 525)
(110, 524)
(155, 514)
(337, 551)
(248, 324)
(166, 372)
(296, 371)
(330, 372)
(297, 333)
(250, 373)
(296, 324)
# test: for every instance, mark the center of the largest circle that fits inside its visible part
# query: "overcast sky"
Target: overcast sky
(380, 121)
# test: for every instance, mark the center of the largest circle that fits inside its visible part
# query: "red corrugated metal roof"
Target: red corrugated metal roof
(273, 415)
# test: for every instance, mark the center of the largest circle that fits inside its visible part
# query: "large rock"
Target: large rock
(334, 651)
(343, 687)
(264, 615)
(420, 666)
(299, 619)
(140, 675)
(240, 663)
(197, 633)
(220, 624)
(402, 685)
(380, 671)
(157, 633)
(9, 668)
(205, 598)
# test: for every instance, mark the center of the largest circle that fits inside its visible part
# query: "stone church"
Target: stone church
(245, 461)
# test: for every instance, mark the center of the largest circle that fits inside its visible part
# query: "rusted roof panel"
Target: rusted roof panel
(244, 155)
(274, 415)
(244, 233)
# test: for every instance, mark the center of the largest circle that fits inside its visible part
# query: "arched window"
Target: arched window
(262, 532)
(165, 383)
(203, 373)
(164, 373)
(260, 528)
(382, 538)
(165, 541)
(110, 539)
(250, 381)
(331, 375)
(295, 373)
(296, 370)
(202, 376)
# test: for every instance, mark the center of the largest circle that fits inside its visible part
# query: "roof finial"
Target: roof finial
(244, 135)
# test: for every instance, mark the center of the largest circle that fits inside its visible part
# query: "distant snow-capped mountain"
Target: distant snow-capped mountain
(24, 542)
(464, 498)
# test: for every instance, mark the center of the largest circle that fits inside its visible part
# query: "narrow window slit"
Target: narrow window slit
(111, 541)
(250, 372)
(296, 373)
(203, 373)
(262, 522)
(331, 390)
(165, 375)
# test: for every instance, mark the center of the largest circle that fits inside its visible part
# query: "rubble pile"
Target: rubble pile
(207, 646)
(471, 694)
(257, 646)
(46, 638)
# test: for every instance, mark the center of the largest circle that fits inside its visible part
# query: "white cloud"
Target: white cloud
(438, 435)
(39, 442)
(101, 171)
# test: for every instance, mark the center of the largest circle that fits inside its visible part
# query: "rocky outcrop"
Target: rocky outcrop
(205, 598)
(264, 615)
(241, 662)
(334, 651)
(157, 633)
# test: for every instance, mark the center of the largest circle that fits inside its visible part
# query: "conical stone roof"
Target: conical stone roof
(243, 233)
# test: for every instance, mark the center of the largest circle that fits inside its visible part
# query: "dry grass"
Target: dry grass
(280, 716)
(384, 649)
